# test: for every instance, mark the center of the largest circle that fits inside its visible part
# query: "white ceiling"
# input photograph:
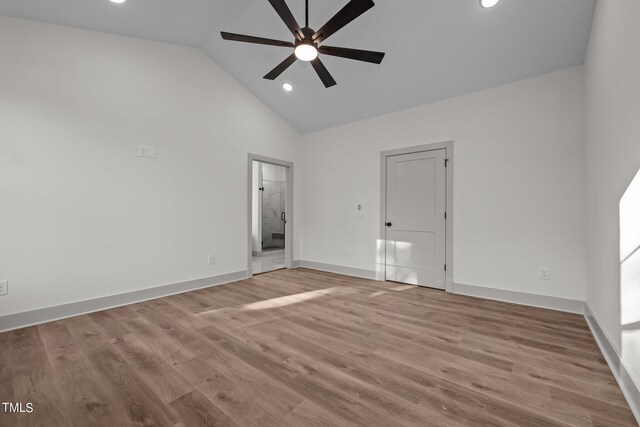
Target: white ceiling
(435, 49)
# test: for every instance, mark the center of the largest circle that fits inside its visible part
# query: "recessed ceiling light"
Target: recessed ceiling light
(288, 87)
(118, 1)
(489, 3)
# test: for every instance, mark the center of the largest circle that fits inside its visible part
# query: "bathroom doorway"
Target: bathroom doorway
(269, 215)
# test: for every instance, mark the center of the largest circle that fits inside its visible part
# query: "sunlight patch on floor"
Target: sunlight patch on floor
(378, 293)
(402, 288)
(292, 299)
(286, 300)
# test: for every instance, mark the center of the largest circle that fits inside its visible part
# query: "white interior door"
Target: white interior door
(415, 221)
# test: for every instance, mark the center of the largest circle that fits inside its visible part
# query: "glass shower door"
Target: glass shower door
(273, 213)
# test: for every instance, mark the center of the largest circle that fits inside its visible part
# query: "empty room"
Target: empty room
(319, 213)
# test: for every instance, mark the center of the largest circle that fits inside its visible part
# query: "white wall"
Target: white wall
(613, 159)
(519, 184)
(81, 215)
(86, 217)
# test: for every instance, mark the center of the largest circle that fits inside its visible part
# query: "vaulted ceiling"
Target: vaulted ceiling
(435, 49)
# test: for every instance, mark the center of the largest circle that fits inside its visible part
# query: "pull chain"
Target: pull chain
(306, 13)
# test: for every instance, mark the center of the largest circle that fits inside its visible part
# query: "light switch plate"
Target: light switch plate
(152, 152)
(4, 287)
(143, 151)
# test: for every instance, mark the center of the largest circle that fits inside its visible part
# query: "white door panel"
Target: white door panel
(411, 176)
(415, 207)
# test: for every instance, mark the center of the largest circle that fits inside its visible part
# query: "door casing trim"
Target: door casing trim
(288, 244)
(448, 147)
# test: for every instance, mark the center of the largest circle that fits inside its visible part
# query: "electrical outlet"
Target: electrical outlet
(212, 259)
(359, 211)
(543, 273)
(4, 287)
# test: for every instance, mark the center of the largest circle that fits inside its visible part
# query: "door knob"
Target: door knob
(388, 224)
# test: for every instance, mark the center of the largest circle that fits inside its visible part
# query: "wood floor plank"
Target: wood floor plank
(141, 404)
(323, 363)
(334, 399)
(309, 348)
(311, 415)
(195, 409)
(449, 370)
(33, 379)
(87, 400)
(247, 394)
(166, 383)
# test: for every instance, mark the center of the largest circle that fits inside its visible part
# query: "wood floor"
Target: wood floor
(300, 347)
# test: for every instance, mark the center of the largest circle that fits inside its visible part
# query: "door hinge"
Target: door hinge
(445, 215)
(445, 267)
(446, 162)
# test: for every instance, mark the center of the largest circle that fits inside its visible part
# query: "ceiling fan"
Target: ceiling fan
(307, 45)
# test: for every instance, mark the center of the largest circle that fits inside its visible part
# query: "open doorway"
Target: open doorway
(270, 209)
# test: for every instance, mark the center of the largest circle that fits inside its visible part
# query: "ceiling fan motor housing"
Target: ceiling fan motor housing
(307, 33)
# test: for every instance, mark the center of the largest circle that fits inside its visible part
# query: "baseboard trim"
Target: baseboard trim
(35, 317)
(338, 269)
(629, 388)
(523, 298)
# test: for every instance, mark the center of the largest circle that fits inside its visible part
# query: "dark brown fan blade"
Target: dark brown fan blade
(351, 11)
(273, 74)
(251, 39)
(356, 54)
(323, 73)
(285, 14)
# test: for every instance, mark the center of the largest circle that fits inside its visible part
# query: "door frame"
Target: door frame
(288, 233)
(449, 152)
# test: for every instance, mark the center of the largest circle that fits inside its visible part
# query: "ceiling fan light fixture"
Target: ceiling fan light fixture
(306, 52)
(487, 4)
(305, 47)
